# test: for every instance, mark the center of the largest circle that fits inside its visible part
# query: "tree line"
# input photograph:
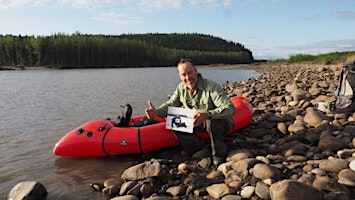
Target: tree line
(127, 50)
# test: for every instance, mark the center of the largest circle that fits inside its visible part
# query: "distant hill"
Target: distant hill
(127, 50)
(188, 42)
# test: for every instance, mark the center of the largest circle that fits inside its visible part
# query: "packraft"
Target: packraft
(141, 135)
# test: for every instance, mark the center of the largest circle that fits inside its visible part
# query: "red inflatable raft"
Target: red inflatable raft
(103, 138)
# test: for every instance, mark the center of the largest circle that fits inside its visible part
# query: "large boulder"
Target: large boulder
(144, 170)
(28, 190)
(294, 190)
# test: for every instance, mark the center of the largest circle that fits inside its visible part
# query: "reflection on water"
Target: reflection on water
(38, 107)
(74, 175)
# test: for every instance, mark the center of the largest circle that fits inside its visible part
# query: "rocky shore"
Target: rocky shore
(290, 151)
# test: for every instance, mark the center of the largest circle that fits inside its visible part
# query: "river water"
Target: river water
(38, 107)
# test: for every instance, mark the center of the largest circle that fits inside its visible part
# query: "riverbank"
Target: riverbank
(289, 151)
(22, 68)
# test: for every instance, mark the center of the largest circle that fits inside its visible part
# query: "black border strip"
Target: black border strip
(103, 142)
(139, 140)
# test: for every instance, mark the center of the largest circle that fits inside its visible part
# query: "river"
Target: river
(38, 107)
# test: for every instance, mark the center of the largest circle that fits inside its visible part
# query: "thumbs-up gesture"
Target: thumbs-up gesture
(151, 112)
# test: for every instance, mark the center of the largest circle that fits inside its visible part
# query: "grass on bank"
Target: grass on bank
(329, 58)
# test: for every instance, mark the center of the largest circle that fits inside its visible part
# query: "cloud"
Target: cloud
(13, 4)
(160, 5)
(314, 48)
(76, 3)
(122, 19)
(345, 15)
(5, 5)
(334, 45)
(278, 48)
(151, 6)
(311, 17)
(142, 5)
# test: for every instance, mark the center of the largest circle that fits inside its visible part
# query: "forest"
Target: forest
(126, 50)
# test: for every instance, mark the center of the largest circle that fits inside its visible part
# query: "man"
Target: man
(176, 120)
(213, 110)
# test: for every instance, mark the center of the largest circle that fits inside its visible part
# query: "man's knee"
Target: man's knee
(219, 126)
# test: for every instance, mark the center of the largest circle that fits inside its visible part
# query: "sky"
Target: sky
(271, 29)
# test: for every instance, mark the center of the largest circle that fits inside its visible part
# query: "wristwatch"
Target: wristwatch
(209, 115)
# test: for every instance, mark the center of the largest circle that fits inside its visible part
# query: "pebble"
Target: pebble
(334, 165)
(352, 165)
(247, 192)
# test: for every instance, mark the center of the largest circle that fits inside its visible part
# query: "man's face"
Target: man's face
(188, 74)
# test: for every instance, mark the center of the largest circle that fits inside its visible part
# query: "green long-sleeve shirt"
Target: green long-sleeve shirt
(209, 96)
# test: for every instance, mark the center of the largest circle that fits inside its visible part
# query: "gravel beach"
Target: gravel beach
(290, 151)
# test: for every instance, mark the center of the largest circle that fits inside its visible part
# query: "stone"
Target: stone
(184, 167)
(328, 184)
(263, 159)
(336, 196)
(258, 133)
(236, 184)
(352, 165)
(126, 186)
(113, 181)
(135, 190)
(297, 158)
(205, 163)
(214, 174)
(347, 177)
(244, 164)
(296, 128)
(176, 191)
(264, 171)
(308, 168)
(282, 127)
(143, 170)
(28, 190)
(314, 91)
(232, 197)
(219, 190)
(293, 190)
(234, 175)
(350, 128)
(200, 192)
(126, 197)
(345, 153)
(314, 118)
(239, 154)
(331, 143)
(262, 190)
(247, 192)
(334, 165)
(307, 179)
(297, 149)
(290, 88)
(111, 190)
(300, 94)
(318, 171)
(146, 190)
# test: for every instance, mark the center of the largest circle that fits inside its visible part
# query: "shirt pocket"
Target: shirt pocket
(201, 105)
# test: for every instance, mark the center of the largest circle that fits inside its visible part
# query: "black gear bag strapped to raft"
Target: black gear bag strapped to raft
(125, 117)
(345, 98)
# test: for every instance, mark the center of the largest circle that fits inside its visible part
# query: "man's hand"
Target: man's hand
(199, 118)
(151, 112)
